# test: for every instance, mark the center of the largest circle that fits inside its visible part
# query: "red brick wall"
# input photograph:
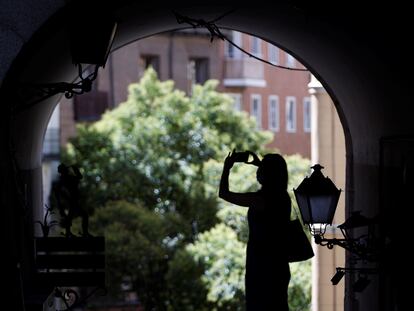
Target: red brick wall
(124, 66)
(282, 83)
(67, 120)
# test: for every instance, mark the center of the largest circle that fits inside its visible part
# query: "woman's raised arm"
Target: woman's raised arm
(242, 199)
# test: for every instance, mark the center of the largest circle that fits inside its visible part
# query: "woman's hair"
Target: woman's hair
(272, 172)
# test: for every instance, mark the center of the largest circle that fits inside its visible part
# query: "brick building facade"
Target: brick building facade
(277, 98)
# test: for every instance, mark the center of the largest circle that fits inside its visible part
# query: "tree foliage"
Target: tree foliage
(136, 248)
(153, 148)
(151, 169)
(233, 229)
(223, 257)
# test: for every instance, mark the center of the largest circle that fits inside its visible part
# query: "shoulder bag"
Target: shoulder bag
(298, 246)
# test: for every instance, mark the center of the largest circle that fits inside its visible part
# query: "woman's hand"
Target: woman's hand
(229, 161)
(256, 161)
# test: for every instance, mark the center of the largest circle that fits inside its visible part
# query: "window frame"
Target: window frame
(290, 61)
(258, 117)
(292, 129)
(259, 52)
(273, 54)
(307, 116)
(276, 111)
(238, 101)
(236, 38)
(149, 60)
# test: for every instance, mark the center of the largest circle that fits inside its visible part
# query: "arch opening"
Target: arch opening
(39, 115)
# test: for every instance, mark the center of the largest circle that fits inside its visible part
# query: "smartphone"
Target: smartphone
(241, 156)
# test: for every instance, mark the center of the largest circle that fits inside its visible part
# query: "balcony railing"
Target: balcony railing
(244, 72)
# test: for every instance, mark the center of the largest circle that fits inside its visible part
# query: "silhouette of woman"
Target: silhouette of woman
(267, 267)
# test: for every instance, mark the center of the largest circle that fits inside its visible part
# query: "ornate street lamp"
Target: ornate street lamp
(317, 198)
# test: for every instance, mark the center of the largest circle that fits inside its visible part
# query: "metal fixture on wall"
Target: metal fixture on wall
(90, 46)
(317, 198)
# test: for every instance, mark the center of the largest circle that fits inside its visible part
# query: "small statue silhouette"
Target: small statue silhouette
(67, 197)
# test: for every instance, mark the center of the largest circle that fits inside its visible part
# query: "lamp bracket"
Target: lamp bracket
(362, 281)
(44, 91)
(358, 270)
(71, 299)
(356, 246)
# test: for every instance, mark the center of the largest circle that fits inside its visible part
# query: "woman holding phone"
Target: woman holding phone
(267, 267)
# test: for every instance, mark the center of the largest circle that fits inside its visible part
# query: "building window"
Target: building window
(231, 50)
(88, 72)
(306, 114)
(290, 61)
(90, 106)
(290, 114)
(274, 113)
(153, 61)
(256, 47)
(237, 101)
(256, 109)
(273, 52)
(198, 71)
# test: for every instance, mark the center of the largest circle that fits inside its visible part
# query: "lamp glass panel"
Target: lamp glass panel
(323, 208)
(303, 207)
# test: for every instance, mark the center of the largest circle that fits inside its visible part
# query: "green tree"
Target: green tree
(231, 235)
(186, 288)
(150, 158)
(223, 256)
(300, 286)
(153, 149)
(136, 249)
(151, 170)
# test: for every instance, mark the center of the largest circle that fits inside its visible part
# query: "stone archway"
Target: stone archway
(338, 56)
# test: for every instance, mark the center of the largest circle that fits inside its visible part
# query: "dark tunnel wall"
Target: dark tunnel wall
(363, 70)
